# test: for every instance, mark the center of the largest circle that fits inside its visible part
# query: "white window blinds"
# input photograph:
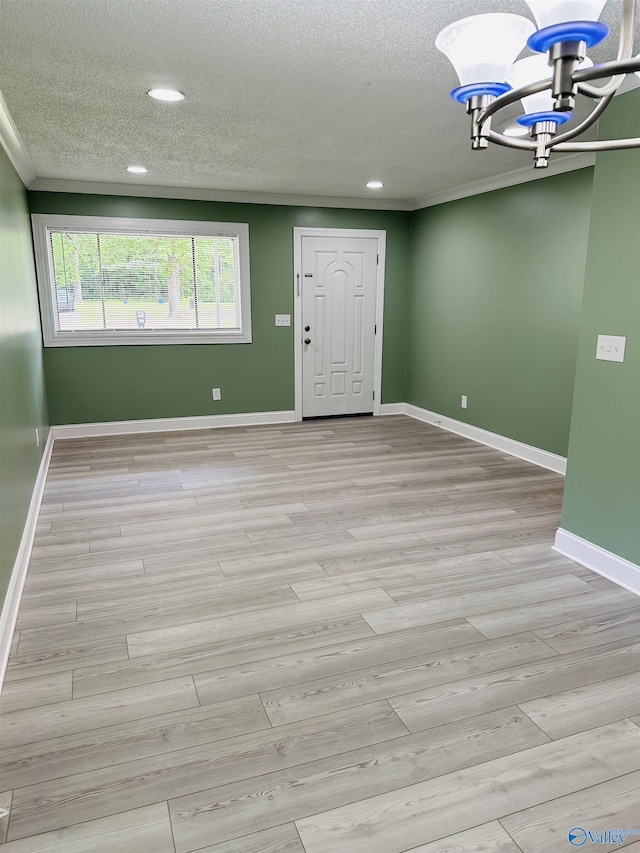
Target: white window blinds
(131, 285)
(139, 281)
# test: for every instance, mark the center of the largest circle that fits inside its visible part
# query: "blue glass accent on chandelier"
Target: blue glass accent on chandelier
(534, 118)
(463, 93)
(590, 32)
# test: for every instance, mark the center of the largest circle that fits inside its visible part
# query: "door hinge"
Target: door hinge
(377, 259)
(374, 395)
(375, 329)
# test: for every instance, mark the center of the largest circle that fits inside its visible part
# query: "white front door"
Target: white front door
(338, 289)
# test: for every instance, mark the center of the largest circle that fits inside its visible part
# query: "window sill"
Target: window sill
(124, 339)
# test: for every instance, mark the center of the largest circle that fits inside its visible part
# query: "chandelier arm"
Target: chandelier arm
(627, 29)
(605, 69)
(590, 120)
(511, 141)
(598, 92)
(601, 145)
(625, 51)
(511, 97)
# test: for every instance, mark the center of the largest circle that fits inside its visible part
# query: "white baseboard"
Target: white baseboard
(393, 408)
(605, 563)
(12, 599)
(171, 424)
(543, 458)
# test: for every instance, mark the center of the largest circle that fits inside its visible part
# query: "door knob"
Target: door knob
(307, 328)
(307, 341)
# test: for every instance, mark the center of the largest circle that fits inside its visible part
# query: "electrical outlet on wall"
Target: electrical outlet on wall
(611, 347)
(463, 401)
(216, 394)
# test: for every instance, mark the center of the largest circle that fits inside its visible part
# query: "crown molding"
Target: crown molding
(568, 163)
(56, 185)
(12, 144)
(557, 166)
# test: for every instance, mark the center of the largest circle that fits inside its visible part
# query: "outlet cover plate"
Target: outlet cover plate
(283, 319)
(610, 347)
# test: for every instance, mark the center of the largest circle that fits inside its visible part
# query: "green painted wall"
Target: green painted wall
(87, 384)
(602, 494)
(22, 406)
(495, 307)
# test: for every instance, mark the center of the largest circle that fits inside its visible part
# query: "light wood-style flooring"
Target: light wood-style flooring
(343, 636)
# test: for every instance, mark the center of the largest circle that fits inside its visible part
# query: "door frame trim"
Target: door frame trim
(381, 237)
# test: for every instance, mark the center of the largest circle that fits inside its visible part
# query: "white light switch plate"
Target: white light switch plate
(283, 319)
(610, 347)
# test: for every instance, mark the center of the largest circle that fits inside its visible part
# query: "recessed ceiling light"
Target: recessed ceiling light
(374, 185)
(137, 170)
(515, 130)
(165, 94)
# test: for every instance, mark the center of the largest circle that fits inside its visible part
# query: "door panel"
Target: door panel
(339, 277)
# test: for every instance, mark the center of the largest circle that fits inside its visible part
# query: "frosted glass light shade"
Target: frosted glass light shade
(550, 12)
(531, 70)
(483, 47)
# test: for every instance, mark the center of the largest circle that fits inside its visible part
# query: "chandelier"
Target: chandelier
(483, 49)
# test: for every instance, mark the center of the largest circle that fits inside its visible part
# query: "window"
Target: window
(108, 281)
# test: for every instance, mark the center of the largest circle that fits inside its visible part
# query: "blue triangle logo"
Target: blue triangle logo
(577, 836)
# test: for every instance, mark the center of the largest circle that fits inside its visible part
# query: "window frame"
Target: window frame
(43, 223)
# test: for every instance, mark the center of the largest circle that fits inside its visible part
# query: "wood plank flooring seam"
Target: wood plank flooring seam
(396, 714)
(466, 849)
(628, 774)
(285, 739)
(95, 728)
(462, 647)
(242, 840)
(537, 631)
(292, 768)
(366, 700)
(515, 843)
(566, 712)
(541, 730)
(16, 685)
(262, 784)
(589, 728)
(602, 680)
(300, 837)
(523, 673)
(195, 687)
(267, 713)
(531, 631)
(415, 813)
(180, 633)
(389, 589)
(140, 660)
(173, 838)
(6, 799)
(161, 722)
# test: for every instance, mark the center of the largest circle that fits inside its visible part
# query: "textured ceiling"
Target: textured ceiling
(283, 96)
